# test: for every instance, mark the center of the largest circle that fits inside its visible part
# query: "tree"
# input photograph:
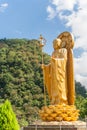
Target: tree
(81, 104)
(8, 119)
(80, 89)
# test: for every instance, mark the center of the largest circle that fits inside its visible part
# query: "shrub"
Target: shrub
(8, 119)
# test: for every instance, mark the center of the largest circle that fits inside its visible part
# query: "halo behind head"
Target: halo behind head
(67, 40)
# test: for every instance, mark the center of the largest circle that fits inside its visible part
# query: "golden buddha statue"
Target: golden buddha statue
(55, 74)
(59, 81)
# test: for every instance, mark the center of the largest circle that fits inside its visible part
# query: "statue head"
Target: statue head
(56, 43)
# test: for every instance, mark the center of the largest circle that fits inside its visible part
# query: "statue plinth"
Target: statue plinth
(54, 125)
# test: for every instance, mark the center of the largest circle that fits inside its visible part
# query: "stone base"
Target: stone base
(59, 113)
(54, 125)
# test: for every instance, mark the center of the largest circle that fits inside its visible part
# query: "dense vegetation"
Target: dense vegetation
(81, 100)
(21, 79)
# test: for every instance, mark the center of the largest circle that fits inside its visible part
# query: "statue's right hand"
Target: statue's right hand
(42, 66)
(53, 59)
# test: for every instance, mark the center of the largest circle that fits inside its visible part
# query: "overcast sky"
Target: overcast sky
(30, 18)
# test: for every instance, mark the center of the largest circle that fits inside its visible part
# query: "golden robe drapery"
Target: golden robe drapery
(55, 80)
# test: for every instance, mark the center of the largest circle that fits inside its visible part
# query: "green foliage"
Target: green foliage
(21, 78)
(80, 89)
(81, 99)
(81, 104)
(8, 119)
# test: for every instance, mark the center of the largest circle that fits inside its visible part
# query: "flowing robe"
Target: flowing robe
(55, 77)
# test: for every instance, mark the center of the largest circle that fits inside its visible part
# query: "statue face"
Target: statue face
(56, 44)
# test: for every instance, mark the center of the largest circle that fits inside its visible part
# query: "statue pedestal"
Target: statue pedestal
(59, 113)
(54, 125)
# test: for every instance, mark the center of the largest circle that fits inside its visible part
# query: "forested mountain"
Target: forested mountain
(21, 78)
